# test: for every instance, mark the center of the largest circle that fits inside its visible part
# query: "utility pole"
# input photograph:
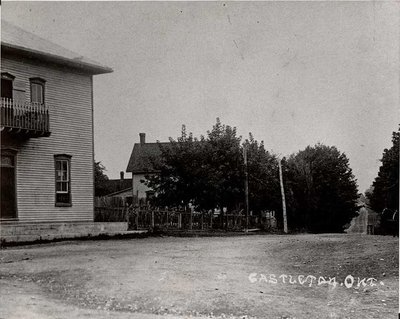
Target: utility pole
(246, 186)
(285, 227)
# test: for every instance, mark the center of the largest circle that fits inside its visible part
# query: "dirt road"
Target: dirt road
(270, 276)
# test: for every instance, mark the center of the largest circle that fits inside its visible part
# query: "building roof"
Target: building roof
(117, 185)
(15, 39)
(126, 191)
(143, 157)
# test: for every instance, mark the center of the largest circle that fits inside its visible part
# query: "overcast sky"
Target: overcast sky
(292, 73)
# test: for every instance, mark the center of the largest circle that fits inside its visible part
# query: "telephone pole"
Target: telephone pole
(246, 186)
(285, 227)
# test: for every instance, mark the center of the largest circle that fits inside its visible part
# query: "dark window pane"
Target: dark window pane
(63, 198)
(6, 88)
(65, 165)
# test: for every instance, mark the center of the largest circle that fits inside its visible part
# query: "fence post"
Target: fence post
(152, 219)
(191, 218)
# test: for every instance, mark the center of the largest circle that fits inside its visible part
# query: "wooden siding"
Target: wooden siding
(139, 188)
(68, 96)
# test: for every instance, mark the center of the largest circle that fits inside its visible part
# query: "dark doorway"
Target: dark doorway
(7, 187)
(6, 88)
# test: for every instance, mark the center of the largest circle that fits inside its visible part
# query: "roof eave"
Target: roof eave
(120, 192)
(87, 67)
(137, 171)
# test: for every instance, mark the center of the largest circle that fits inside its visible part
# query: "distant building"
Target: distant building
(141, 163)
(47, 157)
(118, 189)
(124, 196)
(116, 185)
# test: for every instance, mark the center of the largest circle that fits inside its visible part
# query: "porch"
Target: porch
(24, 119)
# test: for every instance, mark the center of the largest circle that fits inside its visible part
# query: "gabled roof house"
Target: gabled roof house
(47, 148)
(141, 163)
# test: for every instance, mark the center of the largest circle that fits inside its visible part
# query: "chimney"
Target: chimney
(121, 174)
(142, 138)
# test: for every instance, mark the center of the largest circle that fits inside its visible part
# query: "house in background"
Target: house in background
(47, 151)
(141, 164)
(116, 191)
(124, 196)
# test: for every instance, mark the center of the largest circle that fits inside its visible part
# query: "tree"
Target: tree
(385, 188)
(322, 189)
(175, 182)
(100, 189)
(222, 166)
(203, 172)
(209, 172)
(264, 191)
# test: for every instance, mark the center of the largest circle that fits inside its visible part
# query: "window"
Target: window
(7, 85)
(63, 179)
(37, 90)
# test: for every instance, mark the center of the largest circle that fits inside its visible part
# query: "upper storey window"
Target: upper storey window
(37, 90)
(7, 85)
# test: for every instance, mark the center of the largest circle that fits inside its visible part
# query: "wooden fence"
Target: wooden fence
(174, 219)
(187, 220)
(112, 209)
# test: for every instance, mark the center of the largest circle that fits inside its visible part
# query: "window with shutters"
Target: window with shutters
(37, 90)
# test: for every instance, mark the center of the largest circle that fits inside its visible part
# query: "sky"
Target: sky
(291, 73)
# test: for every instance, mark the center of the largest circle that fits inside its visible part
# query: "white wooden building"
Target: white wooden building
(47, 152)
(141, 165)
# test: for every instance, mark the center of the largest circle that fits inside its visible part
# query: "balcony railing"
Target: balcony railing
(24, 118)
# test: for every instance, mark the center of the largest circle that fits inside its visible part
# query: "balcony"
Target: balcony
(24, 119)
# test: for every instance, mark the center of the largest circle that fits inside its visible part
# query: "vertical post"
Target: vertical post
(191, 218)
(152, 219)
(246, 186)
(285, 227)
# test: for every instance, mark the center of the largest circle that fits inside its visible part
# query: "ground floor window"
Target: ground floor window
(63, 179)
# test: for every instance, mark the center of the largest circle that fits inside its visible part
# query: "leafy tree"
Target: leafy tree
(176, 181)
(264, 188)
(222, 166)
(385, 188)
(322, 190)
(203, 172)
(100, 189)
(209, 172)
